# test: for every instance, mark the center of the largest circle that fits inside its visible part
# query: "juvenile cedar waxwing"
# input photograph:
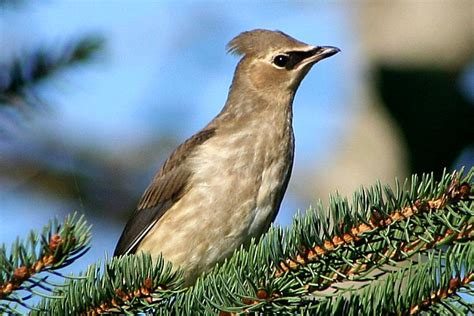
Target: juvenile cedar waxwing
(224, 185)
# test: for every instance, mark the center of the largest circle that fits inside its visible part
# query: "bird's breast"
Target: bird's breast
(243, 175)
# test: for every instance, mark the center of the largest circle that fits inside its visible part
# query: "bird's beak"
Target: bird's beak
(319, 53)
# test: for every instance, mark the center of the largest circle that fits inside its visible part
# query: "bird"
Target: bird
(224, 185)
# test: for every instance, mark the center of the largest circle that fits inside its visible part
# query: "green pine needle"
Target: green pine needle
(26, 266)
(403, 251)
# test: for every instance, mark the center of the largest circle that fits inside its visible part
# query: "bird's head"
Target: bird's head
(274, 62)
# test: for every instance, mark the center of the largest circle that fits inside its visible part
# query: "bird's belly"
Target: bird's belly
(226, 226)
(224, 208)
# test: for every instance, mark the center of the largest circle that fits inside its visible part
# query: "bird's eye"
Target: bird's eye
(281, 60)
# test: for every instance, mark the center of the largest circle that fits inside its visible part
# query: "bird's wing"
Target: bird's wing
(167, 187)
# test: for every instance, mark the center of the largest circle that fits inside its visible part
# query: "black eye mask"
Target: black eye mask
(296, 57)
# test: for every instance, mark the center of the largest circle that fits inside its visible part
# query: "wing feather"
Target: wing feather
(166, 188)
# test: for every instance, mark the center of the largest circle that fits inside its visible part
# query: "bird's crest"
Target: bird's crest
(257, 42)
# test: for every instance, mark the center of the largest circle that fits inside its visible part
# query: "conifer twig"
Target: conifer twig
(421, 232)
(23, 265)
(24, 72)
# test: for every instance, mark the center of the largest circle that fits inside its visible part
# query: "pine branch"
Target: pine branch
(377, 227)
(435, 284)
(23, 73)
(25, 268)
(354, 260)
(351, 259)
(450, 285)
(124, 285)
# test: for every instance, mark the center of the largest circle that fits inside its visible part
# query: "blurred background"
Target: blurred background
(94, 95)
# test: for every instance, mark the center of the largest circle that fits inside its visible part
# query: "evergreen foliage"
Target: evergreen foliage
(404, 251)
(25, 269)
(22, 74)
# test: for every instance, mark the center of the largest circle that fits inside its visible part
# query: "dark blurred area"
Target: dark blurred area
(408, 112)
(436, 119)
